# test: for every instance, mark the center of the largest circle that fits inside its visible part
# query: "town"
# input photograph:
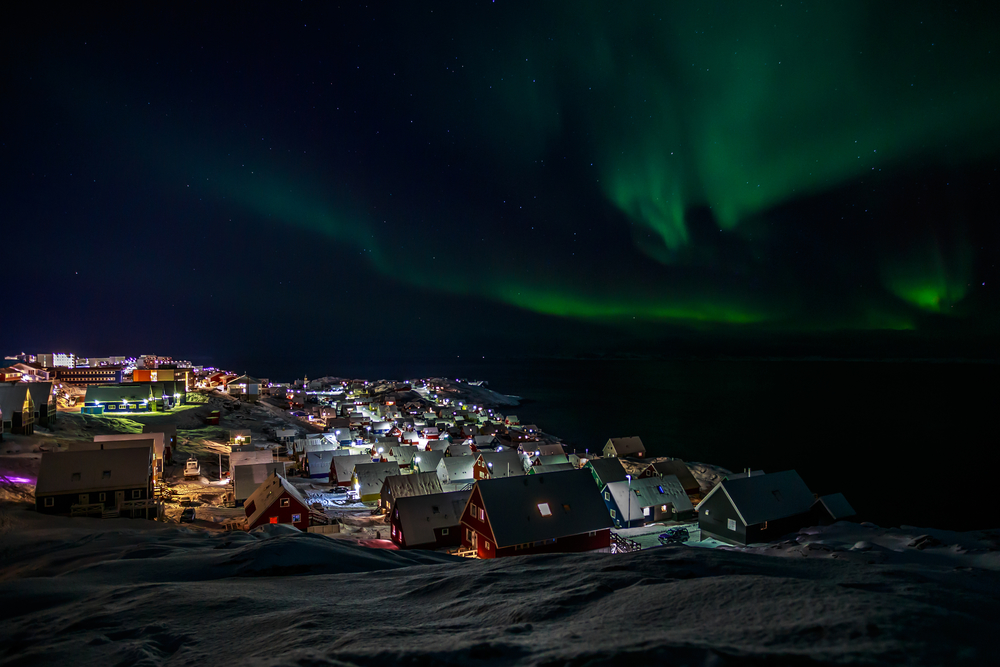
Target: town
(431, 464)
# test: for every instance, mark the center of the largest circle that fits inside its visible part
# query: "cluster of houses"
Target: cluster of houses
(466, 478)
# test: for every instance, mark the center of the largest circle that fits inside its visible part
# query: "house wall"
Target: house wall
(601, 539)
(772, 530)
(284, 514)
(713, 517)
(63, 502)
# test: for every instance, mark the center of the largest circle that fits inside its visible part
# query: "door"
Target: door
(84, 498)
(119, 499)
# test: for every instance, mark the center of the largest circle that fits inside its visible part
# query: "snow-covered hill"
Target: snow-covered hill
(131, 592)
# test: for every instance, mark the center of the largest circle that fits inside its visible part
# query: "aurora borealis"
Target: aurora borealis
(747, 170)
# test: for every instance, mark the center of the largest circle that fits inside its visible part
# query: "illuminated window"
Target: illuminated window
(273, 519)
(607, 496)
(612, 514)
(660, 489)
(544, 509)
(284, 502)
(482, 514)
(731, 524)
(296, 518)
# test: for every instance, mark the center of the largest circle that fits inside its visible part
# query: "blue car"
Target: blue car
(676, 535)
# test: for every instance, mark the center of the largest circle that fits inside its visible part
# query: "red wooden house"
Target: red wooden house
(276, 501)
(555, 512)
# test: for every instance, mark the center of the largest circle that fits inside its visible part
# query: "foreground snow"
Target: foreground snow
(123, 592)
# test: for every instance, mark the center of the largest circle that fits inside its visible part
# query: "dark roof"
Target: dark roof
(125, 468)
(420, 515)
(836, 506)
(118, 392)
(626, 446)
(512, 506)
(678, 469)
(608, 470)
(767, 497)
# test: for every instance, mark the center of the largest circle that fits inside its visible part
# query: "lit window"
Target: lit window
(612, 514)
(296, 518)
(660, 489)
(284, 502)
(731, 524)
(482, 514)
(544, 509)
(607, 496)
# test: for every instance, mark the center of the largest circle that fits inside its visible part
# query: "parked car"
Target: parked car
(677, 535)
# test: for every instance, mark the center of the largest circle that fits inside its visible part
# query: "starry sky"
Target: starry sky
(232, 182)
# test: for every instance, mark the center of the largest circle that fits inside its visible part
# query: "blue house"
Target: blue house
(647, 500)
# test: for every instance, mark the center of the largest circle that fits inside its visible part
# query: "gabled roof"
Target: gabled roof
(319, 463)
(551, 449)
(552, 459)
(264, 496)
(678, 469)
(766, 497)
(41, 393)
(512, 506)
(371, 476)
(457, 467)
(428, 460)
(608, 469)
(247, 477)
(550, 467)
(626, 446)
(836, 506)
(402, 454)
(12, 399)
(420, 515)
(345, 465)
(459, 450)
(126, 468)
(485, 440)
(418, 484)
(506, 463)
(244, 379)
(648, 492)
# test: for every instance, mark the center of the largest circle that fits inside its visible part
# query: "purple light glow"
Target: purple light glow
(19, 480)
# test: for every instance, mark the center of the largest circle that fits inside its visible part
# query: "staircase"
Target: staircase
(110, 513)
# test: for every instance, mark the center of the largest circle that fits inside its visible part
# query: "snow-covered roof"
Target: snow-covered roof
(459, 450)
(648, 492)
(428, 460)
(506, 463)
(264, 496)
(371, 476)
(512, 504)
(417, 484)
(768, 497)
(626, 446)
(247, 477)
(550, 449)
(402, 454)
(550, 460)
(454, 468)
(124, 440)
(319, 463)
(93, 470)
(344, 466)
(420, 515)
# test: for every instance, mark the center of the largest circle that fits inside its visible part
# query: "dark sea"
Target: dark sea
(908, 443)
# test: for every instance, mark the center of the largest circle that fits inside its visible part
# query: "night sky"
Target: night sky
(238, 183)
